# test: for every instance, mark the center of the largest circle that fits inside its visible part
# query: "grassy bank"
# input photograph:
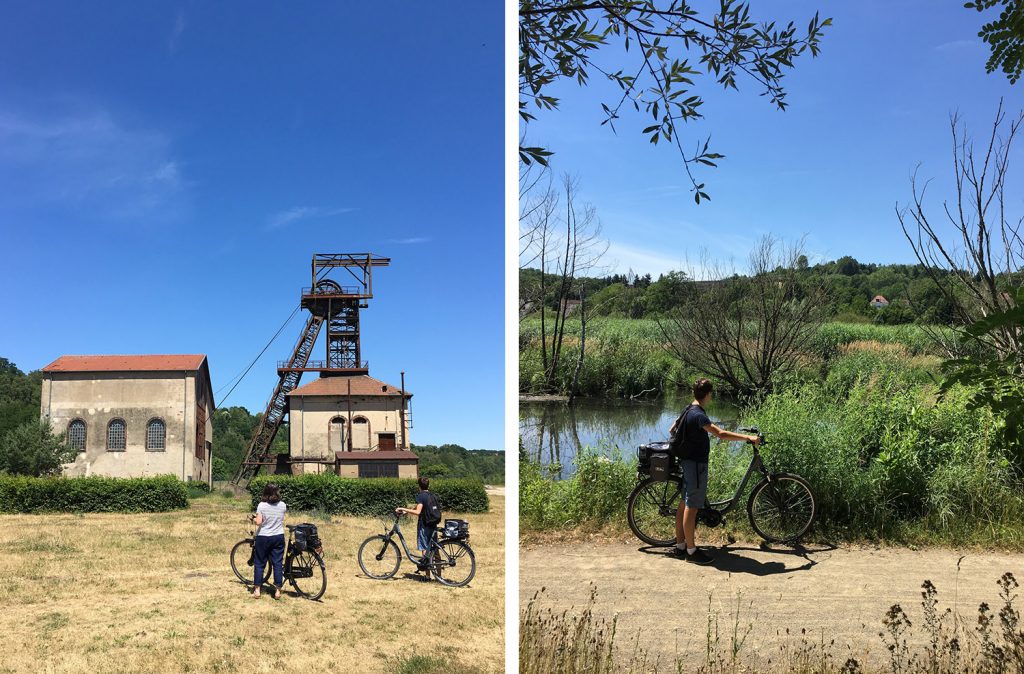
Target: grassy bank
(155, 592)
(888, 458)
(625, 357)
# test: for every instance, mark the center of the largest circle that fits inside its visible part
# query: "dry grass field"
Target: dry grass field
(155, 593)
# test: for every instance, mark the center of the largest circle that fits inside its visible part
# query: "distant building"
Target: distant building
(133, 416)
(356, 425)
(879, 302)
(569, 306)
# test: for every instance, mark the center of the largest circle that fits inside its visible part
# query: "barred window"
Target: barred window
(378, 469)
(156, 434)
(116, 435)
(76, 435)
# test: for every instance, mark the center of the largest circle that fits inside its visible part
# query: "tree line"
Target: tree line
(849, 284)
(29, 446)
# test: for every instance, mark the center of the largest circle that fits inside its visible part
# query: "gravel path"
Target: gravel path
(833, 593)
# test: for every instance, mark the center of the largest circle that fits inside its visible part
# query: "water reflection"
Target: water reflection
(553, 432)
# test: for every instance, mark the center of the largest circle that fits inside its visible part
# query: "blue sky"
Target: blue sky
(862, 116)
(168, 169)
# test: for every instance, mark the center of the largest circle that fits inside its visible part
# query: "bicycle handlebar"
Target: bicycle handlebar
(755, 431)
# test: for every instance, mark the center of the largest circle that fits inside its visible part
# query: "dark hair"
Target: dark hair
(701, 388)
(424, 482)
(271, 494)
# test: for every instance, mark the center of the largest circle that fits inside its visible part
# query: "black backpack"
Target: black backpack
(675, 443)
(431, 511)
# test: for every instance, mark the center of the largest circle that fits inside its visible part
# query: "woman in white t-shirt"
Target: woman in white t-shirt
(269, 538)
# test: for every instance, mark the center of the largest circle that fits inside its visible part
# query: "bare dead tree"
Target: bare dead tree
(538, 202)
(974, 251)
(580, 355)
(562, 239)
(747, 331)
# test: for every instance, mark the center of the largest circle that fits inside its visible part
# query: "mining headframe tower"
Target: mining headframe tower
(340, 285)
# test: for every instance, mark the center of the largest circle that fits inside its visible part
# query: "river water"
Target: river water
(554, 432)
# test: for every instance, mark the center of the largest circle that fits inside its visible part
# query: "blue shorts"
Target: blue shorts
(423, 536)
(695, 483)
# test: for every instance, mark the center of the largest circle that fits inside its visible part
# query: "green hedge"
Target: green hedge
(20, 494)
(368, 496)
(197, 489)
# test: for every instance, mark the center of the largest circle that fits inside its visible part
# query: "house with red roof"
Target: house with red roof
(355, 425)
(133, 416)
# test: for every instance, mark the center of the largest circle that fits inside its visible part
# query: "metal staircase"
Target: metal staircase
(258, 453)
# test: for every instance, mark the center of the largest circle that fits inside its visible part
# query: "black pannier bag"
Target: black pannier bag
(306, 537)
(655, 459)
(456, 529)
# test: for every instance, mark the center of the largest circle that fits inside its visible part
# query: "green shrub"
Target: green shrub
(32, 448)
(197, 489)
(374, 496)
(889, 458)
(20, 494)
(221, 471)
(593, 497)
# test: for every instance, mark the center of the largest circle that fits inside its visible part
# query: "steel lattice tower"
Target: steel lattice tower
(336, 302)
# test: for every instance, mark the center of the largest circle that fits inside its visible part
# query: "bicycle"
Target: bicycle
(450, 559)
(303, 561)
(781, 507)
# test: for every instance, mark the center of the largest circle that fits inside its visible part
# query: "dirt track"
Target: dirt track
(839, 593)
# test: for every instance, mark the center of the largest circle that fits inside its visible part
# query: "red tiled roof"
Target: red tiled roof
(362, 385)
(147, 363)
(376, 455)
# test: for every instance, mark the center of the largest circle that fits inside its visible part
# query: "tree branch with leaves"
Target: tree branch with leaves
(667, 46)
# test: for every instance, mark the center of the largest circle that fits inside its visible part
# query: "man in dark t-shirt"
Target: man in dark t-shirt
(425, 530)
(691, 441)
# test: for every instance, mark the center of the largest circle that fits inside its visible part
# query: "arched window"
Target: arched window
(361, 433)
(116, 435)
(156, 434)
(76, 435)
(336, 435)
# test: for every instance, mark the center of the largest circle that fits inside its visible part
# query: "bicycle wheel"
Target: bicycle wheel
(651, 511)
(242, 559)
(379, 557)
(783, 509)
(305, 571)
(453, 564)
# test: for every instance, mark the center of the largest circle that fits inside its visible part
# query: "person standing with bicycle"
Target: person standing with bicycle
(691, 443)
(269, 542)
(429, 515)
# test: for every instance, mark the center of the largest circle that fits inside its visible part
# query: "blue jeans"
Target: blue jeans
(269, 548)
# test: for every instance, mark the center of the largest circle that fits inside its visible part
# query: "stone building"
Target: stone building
(133, 416)
(355, 425)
